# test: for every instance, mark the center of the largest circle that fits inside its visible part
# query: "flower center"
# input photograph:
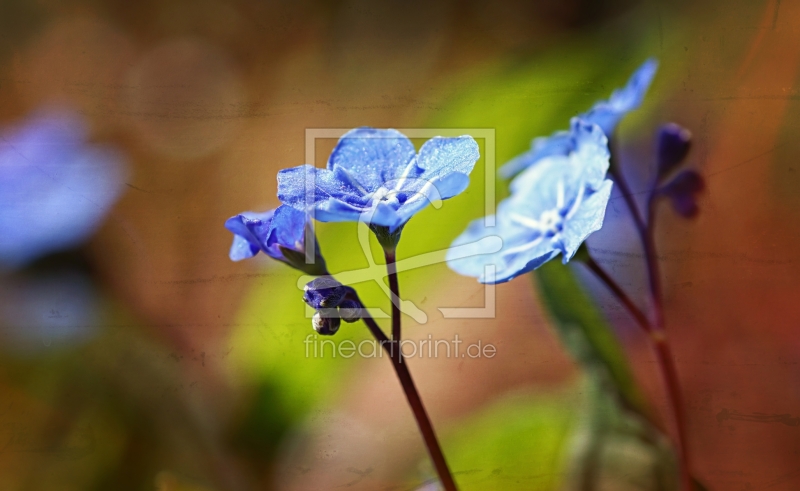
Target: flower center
(550, 223)
(383, 195)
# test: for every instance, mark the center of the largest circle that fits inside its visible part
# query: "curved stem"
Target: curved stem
(623, 297)
(392, 348)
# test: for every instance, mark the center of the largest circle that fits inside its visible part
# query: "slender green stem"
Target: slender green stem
(392, 348)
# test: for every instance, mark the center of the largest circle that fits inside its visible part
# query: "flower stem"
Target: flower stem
(623, 297)
(392, 348)
(655, 330)
(394, 287)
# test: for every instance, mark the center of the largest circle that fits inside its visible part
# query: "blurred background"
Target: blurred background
(135, 355)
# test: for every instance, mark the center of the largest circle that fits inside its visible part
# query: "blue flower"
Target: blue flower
(279, 233)
(55, 189)
(553, 208)
(377, 177)
(674, 143)
(606, 114)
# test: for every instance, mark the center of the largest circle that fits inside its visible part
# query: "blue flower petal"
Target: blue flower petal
(519, 264)
(553, 207)
(589, 158)
(373, 156)
(469, 255)
(287, 229)
(441, 156)
(559, 143)
(472, 254)
(591, 151)
(607, 114)
(588, 219)
(374, 176)
(242, 249)
(438, 189)
(319, 192)
(250, 231)
(55, 188)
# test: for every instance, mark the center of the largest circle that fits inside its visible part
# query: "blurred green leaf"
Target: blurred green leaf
(517, 444)
(585, 334)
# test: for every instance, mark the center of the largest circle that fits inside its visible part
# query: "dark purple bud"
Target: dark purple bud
(326, 326)
(350, 310)
(682, 192)
(324, 293)
(674, 142)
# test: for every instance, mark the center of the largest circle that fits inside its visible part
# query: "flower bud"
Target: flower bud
(682, 192)
(674, 142)
(325, 326)
(324, 293)
(349, 310)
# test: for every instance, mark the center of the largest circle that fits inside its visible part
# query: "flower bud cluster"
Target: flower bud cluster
(333, 302)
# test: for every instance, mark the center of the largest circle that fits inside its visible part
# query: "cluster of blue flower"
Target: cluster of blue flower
(373, 176)
(559, 194)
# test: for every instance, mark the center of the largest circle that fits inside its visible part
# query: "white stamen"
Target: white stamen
(526, 221)
(575, 204)
(560, 194)
(525, 247)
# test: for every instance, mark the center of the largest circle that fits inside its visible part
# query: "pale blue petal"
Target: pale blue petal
(588, 219)
(469, 255)
(320, 193)
(559, 143)
(473, 255)
(374, 156)
(242, 249)
(536, 190)
(441, 156)
(287, 229)
(441, 188)
(591, 151)
(519, 264)
(607, 114)
(250, 231)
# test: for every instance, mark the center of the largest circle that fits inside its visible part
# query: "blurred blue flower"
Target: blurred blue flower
(279, 233)
(553, 208)
(674, 142)
(682, 191)
(376, 176)
(55, 188)
(606, 114)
